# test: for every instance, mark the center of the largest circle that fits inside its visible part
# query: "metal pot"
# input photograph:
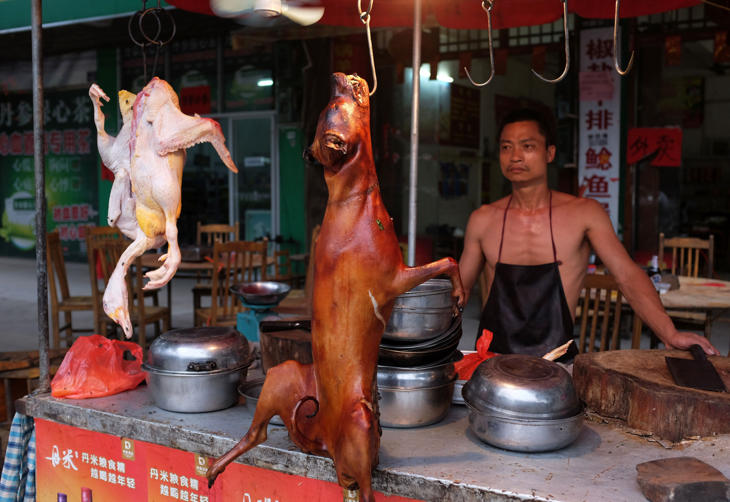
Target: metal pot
(526, 435)
(523, 403)
(197, 370)
(415, 397)
(422, 313)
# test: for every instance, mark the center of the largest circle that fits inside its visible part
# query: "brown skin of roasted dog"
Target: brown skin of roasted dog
(330, 406)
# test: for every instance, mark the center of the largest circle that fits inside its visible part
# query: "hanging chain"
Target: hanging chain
(161, 18)
(365, 18)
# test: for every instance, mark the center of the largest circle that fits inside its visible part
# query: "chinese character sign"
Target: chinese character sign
(663, 143)
(71, 170)
(69, 460)
(599, 121)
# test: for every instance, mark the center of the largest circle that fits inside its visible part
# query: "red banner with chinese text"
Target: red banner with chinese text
(69, 459)
(665, 142)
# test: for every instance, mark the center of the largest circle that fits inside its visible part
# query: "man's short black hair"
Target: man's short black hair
(545, 122)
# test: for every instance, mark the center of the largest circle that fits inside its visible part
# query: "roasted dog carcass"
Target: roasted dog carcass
(330, 407)
(147, 158)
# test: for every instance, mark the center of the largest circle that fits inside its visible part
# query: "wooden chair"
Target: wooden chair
(208, 235)
(106, 253)
(687, 253)
(600, 300)
(282, 267)
(66, 303)
(233, 262)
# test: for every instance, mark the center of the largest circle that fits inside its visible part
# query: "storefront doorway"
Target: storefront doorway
(212, 194)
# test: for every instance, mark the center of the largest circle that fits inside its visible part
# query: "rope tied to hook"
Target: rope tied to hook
(157, 23)
(365, 18)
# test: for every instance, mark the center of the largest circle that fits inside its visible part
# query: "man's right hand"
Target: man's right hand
(684, 340)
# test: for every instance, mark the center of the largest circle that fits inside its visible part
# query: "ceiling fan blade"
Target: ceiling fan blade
(302, 15)
(231, 8)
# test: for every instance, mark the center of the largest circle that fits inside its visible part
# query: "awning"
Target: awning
(15, 14)
(468, 14)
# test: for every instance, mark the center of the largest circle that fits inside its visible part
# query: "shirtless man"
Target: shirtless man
(535, 244)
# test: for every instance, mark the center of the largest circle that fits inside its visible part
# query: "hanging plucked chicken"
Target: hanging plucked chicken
(147, 158)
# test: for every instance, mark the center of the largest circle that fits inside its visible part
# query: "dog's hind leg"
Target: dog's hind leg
(287, 387)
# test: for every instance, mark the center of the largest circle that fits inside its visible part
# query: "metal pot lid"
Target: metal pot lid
(522, 386)
(199, 350)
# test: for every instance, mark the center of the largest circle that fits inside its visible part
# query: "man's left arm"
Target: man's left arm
(634, 283)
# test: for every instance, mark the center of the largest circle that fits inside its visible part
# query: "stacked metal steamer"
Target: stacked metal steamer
(416, 359)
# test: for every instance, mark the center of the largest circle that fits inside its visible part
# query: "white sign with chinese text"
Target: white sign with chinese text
(599, 136)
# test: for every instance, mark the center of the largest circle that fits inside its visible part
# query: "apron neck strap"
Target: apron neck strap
(550, 216)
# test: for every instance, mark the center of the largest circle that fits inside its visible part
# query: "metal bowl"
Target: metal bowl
(526, 435)
(421, 313)
(524, 387)
(251, 390)
(389, 356)
(261, 292)
(415, 397)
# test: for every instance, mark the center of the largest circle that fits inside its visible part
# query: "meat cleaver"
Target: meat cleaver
(698, 373)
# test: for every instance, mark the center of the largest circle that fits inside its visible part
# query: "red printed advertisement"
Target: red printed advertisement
(90, 466)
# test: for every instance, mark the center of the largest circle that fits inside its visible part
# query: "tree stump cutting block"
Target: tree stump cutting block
(682, 479)
(636, 387)
(280, 346)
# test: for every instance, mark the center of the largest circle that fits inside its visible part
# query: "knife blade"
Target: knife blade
(697, 373)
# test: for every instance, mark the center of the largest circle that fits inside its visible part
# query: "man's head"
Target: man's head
(526, 147)
(545, 124)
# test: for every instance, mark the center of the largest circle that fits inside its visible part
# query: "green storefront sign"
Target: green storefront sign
(71, 171)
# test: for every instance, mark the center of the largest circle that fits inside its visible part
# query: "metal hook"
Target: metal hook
(365, 18)
(615, 45)
(488, 10)
(567, 49)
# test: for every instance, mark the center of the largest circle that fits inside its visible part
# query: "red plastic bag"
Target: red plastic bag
(95, 366)
(465, 368)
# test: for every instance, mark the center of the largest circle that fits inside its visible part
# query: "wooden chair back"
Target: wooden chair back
(234, 262)
(104, 250)
(282, 266)
(600, 301)
(61, 299)
(686, 254)
(208, 235)
(57, 278)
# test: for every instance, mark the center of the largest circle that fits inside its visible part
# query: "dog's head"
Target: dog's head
(344, 124)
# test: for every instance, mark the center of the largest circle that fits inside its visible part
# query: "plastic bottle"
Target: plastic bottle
(655, 274)
(86, 495)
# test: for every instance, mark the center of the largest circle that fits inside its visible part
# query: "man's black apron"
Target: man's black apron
(526, 310)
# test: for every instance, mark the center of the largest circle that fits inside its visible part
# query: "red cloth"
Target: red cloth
(465, 368)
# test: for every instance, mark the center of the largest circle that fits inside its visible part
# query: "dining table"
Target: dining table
(700, 294)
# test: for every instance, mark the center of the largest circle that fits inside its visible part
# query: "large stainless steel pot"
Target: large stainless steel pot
(197, 369)
(422, 313)
(415, 397)
(421, 353)
(523, 403)
(527, 435)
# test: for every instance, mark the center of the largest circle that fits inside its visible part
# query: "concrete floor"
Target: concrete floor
(18, 307)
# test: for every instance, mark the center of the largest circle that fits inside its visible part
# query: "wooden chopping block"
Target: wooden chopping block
(280, 346)
(682, 479)
(636, 387)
